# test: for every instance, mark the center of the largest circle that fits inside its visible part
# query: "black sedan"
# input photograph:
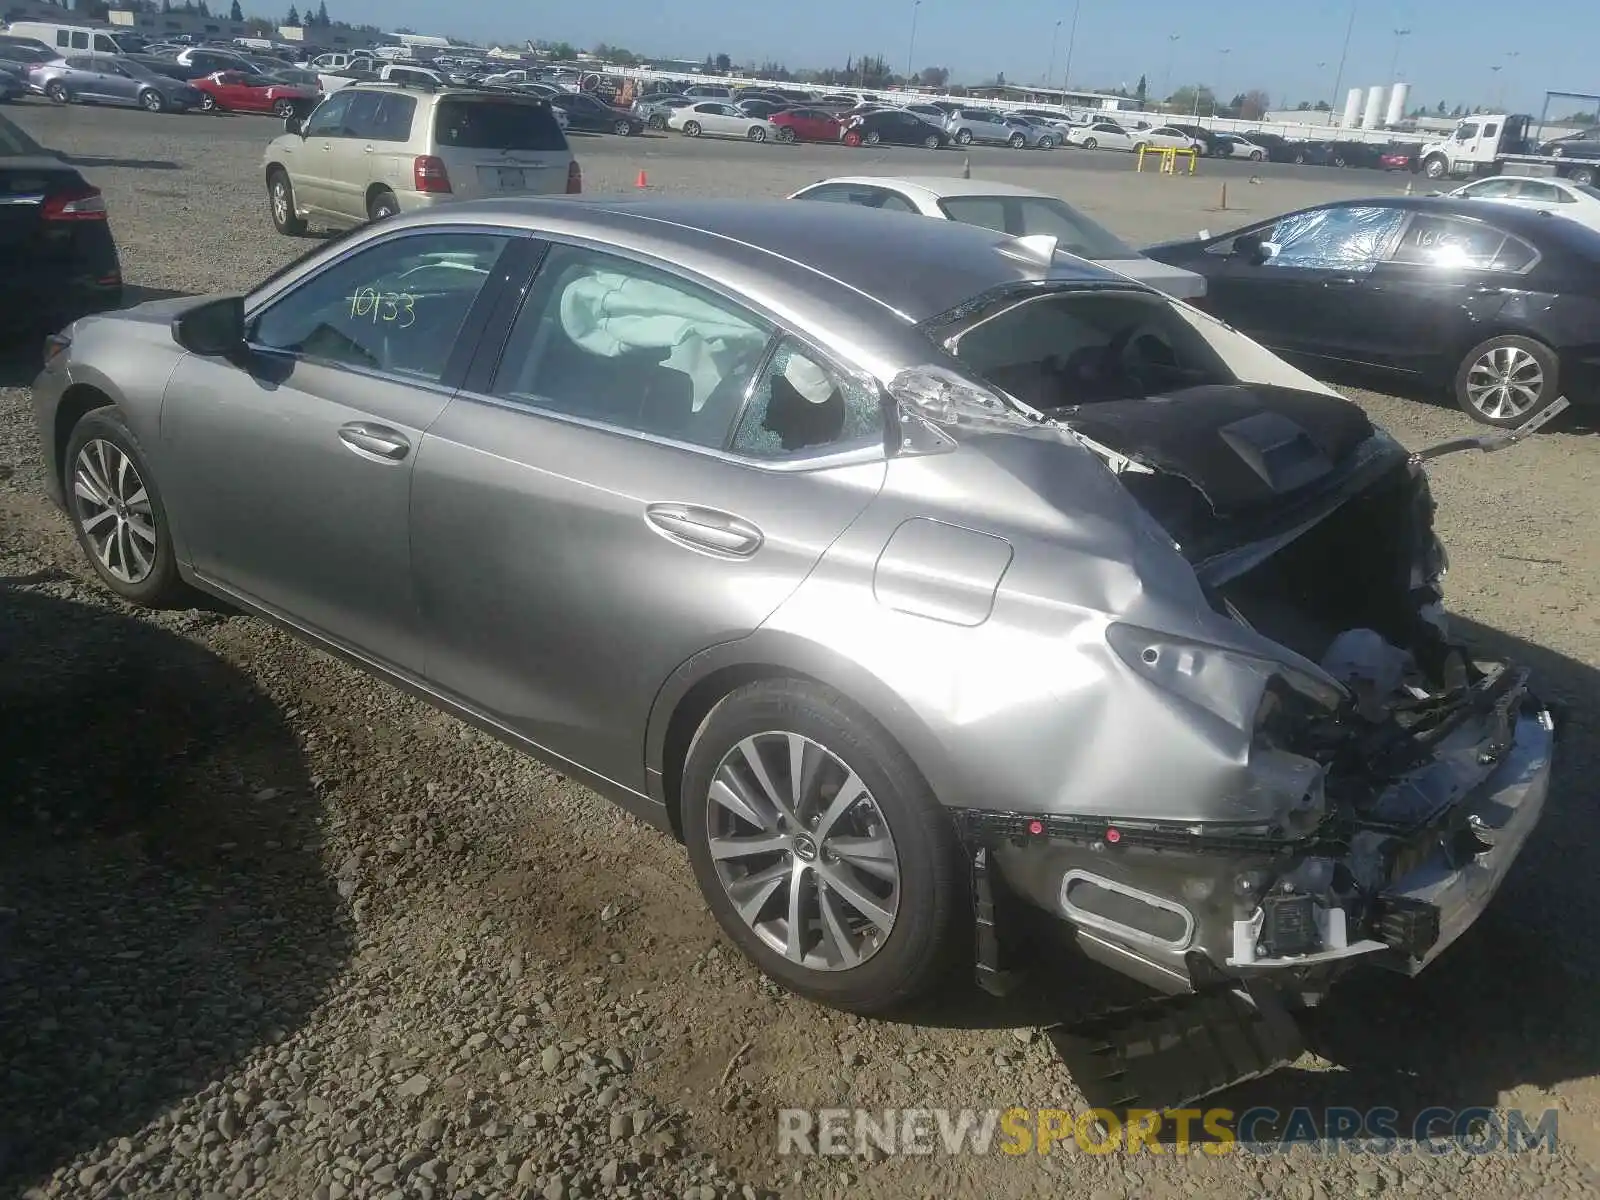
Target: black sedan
(1583, 144)
(588, 115)
(61, 262)
(893, 127)
(1500, 305)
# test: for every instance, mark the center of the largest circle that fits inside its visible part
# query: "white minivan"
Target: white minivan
(78, 39)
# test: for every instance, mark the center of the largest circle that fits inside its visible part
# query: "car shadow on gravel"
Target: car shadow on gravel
(163, 909)
(93, 161)
(1511, 1005)
(1579, 419)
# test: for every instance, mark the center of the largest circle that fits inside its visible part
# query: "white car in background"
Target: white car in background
(1239, 147)
(1019, 211)
(1108, 135)
(719, 118)
(1575, 201)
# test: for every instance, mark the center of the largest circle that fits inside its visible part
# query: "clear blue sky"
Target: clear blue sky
(1449, 54)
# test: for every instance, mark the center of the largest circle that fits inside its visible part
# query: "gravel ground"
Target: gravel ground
(268, 928)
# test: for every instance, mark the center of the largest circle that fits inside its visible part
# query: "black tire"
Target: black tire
(1516, 351)
(691, 129)
(964, 137)
(57, 91)
(658, 122)
(1090, 143)
(280, 203)
(1583, 176)
(873, 138)
(1436, 167)
(933, 911)
(1017, 141)
(382, 205)
(932, 142)
(785, 134)
(152, 101)
(161, 587)
(208, 103)
(757, 134)
(282, 109)
(622, 128)
(1047, 143)
(1256, 156)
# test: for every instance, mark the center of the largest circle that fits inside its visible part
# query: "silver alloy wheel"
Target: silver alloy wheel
(803, 851)
(113, 510)
(153, 102)
(1505, 382)
(280, 201)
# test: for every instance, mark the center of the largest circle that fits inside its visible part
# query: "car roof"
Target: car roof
(916, 267)
(939, 186)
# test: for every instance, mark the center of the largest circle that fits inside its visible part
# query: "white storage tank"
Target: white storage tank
(1352, 108)
(1374, 111)
(1397, 104)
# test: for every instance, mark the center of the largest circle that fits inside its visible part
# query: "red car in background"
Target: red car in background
(1398, 158)
(233, 91)
(806, 125)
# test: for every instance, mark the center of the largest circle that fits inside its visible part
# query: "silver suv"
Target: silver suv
(371, 150)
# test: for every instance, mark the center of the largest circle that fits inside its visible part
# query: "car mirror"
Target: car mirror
(214, 329)
(293, 122)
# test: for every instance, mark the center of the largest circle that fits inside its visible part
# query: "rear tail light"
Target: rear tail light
(574, 178)
(429, 175)
(80, 204)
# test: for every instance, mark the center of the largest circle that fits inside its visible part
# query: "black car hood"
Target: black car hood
(1242, 447)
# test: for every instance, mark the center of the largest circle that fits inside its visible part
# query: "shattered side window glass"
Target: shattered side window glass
(1332, 239)
(803, 403)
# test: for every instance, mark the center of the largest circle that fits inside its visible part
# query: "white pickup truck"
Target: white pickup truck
(1488, 144)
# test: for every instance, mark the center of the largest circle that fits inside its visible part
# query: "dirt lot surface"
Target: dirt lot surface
(268, 928)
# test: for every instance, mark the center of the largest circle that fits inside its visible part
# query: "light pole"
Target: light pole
(1394, 61)
(911, 50)
(1222, 60)
(1344, 53)
(1072, 38)
(1166, 78)
(1049, 72)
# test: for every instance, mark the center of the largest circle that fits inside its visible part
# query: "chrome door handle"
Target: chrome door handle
(704, 529)
(378, 441)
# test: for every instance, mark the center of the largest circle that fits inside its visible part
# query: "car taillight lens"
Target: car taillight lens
(81, 204)
(429, 175)
(574, 178)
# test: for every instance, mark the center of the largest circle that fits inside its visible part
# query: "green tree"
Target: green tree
(237, 13)
(200, 7)
(294, 16)
(1141, 93)
(562, 51)
(1253, 105)
(724, 64)
(934, 77)
(322, 14)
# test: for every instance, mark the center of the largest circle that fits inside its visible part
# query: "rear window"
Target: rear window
(477, 124)
(1023, 216)
(1071, 348)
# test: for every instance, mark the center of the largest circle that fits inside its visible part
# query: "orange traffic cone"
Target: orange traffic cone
(641, 182)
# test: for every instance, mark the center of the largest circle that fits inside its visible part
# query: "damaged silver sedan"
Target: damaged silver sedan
(906, 570)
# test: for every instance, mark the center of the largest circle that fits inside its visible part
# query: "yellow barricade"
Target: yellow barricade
(1169, 158)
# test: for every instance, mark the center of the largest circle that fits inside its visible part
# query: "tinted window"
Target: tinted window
(1086, 347)
(803, 403)
(80, 41)
(328, 120)
(396, 307)
(611, 340)
(380, 116)
(1534, 190)
(1346, 239)
(1022, 216)
(497, 125)
(1445, 242)
(104, 45)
